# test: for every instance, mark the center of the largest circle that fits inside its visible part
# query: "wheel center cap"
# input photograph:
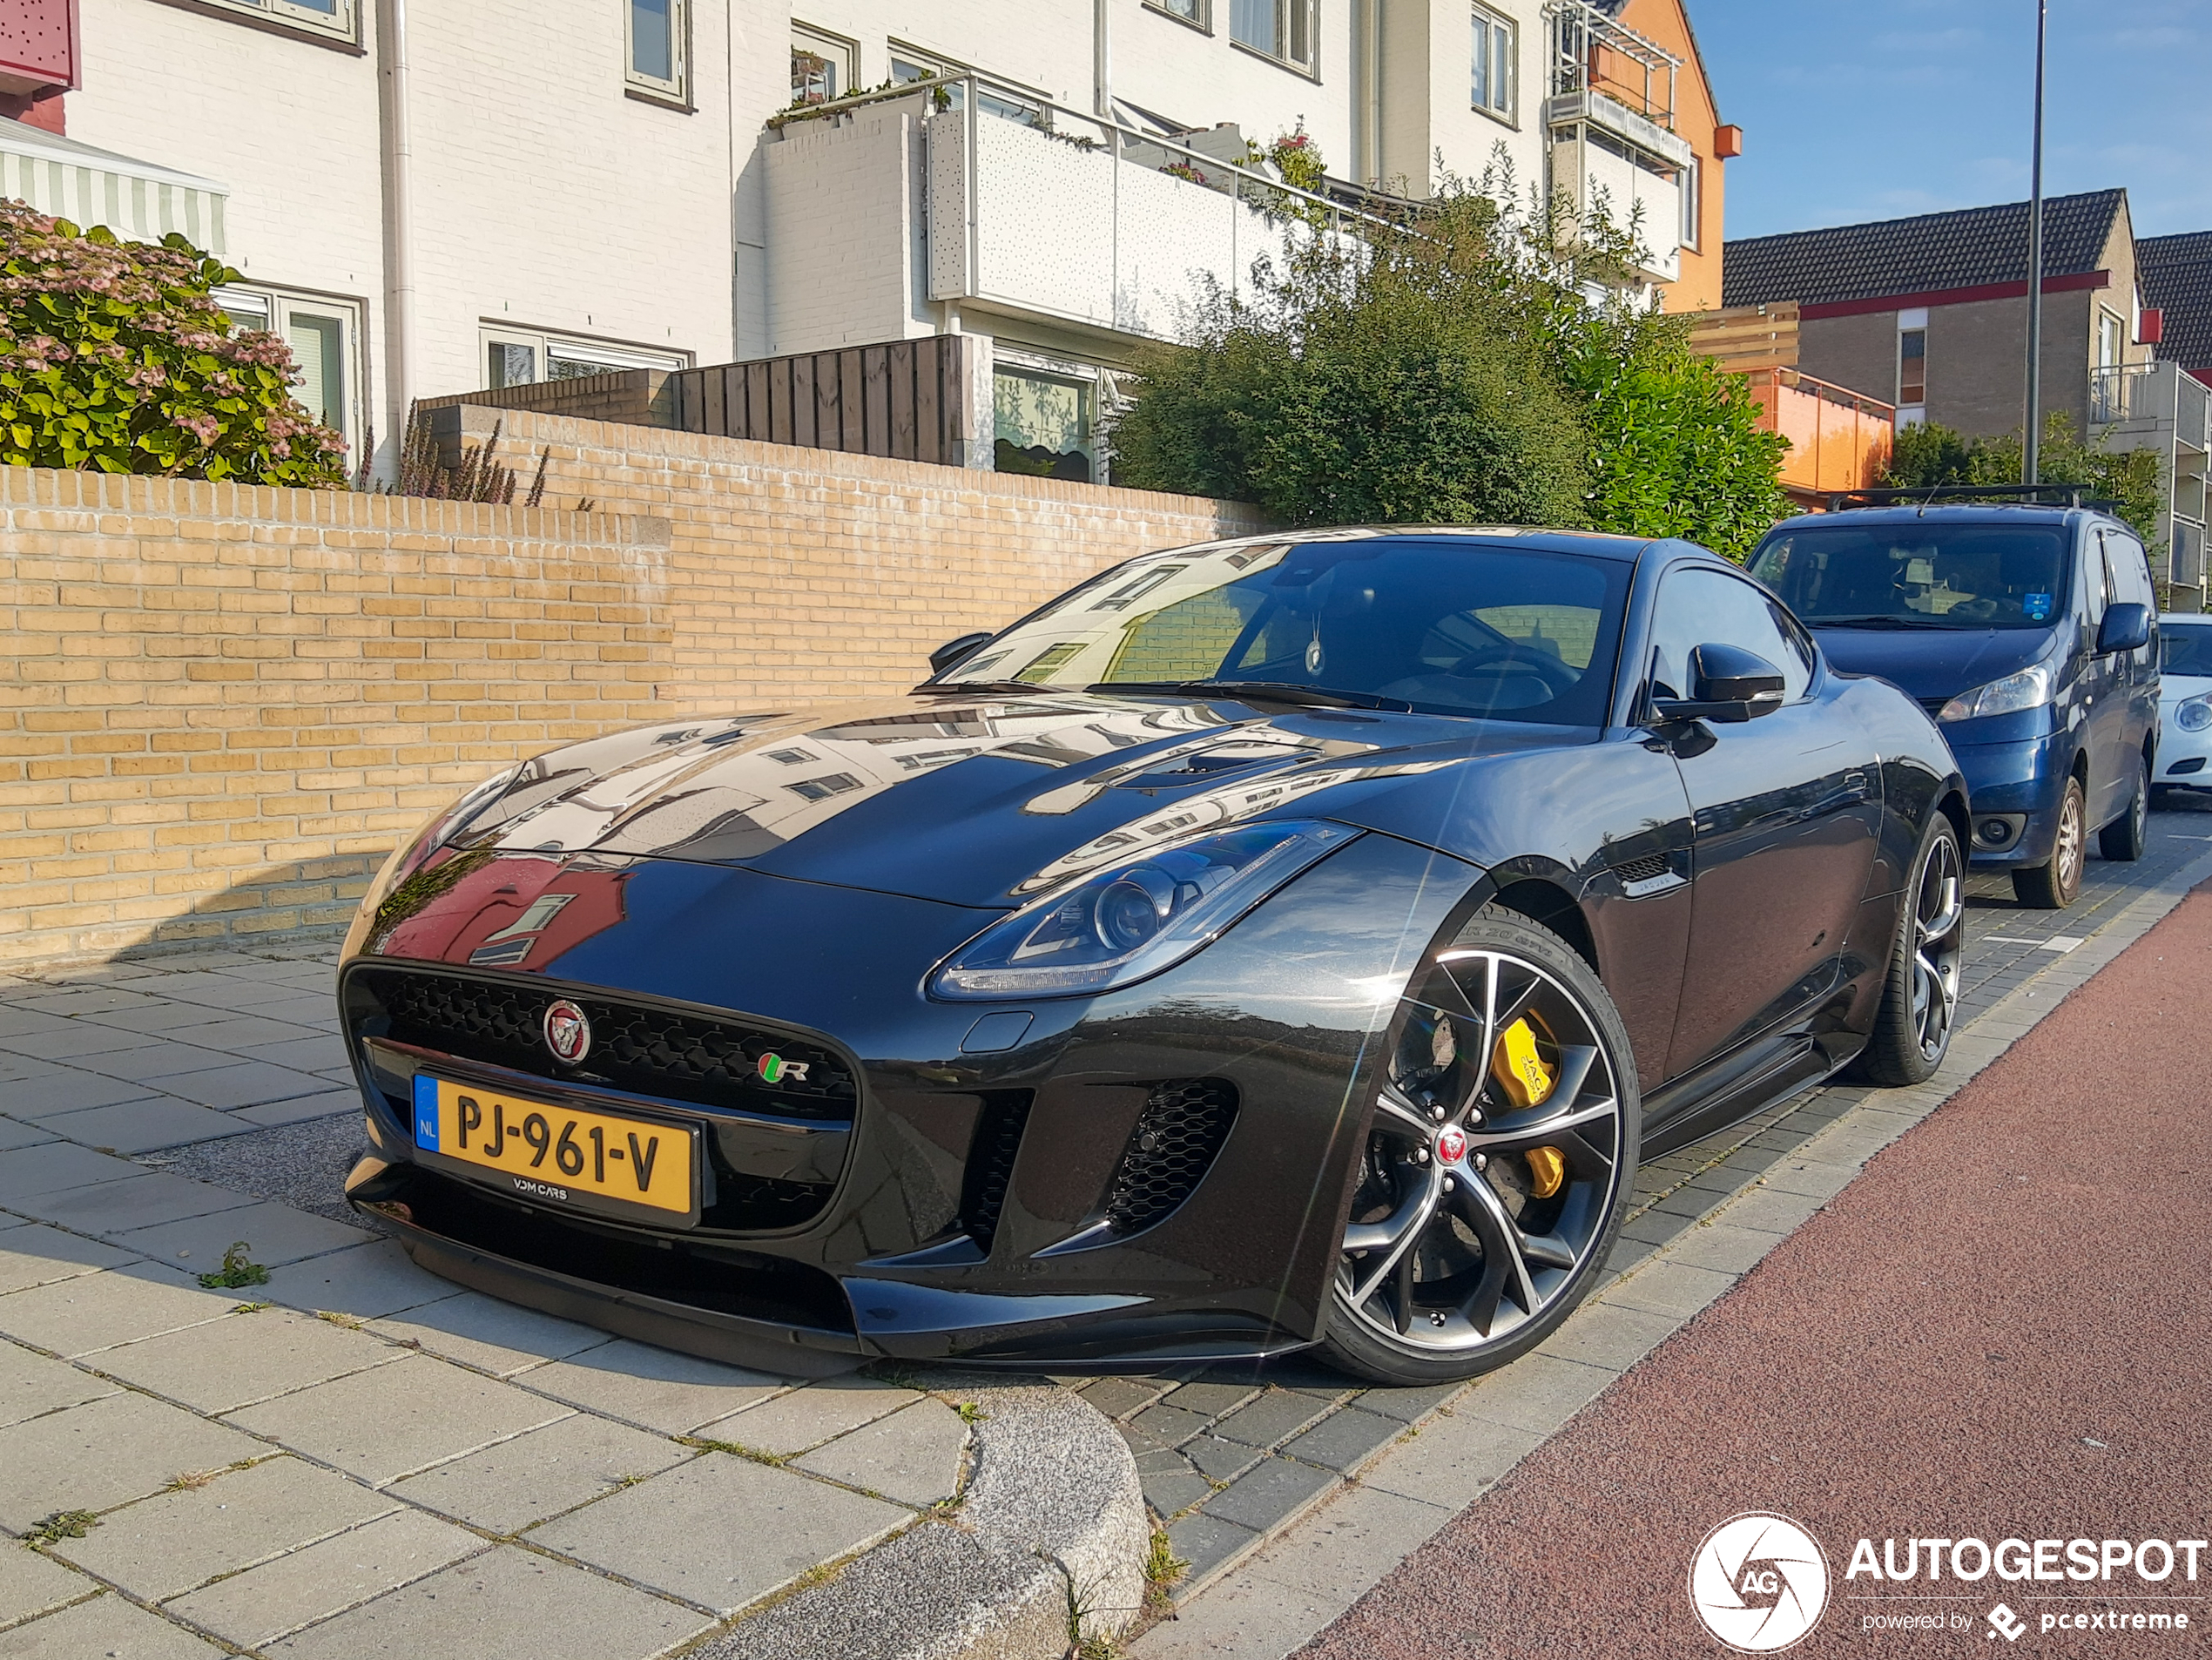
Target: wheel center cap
(1450, 1145)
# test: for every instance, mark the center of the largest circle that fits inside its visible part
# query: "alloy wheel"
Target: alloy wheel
(2066, 858)
(1938, 945)
(1493, 1160)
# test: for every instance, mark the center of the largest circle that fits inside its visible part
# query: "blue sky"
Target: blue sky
(1857, 110)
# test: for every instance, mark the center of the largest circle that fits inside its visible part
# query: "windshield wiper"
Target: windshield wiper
(1275, 690)
(1885, 621)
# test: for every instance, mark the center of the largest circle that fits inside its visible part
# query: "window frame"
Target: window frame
(1202, 20)
(1689, 184)
(1497, 23)
(1284, 9)
(835, 48)
(1921, 357)
(341, 30)
(2109, 323)
(547, 344)
(279, 304)
(675, 92)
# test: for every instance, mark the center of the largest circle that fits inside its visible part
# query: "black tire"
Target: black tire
(2056, 883)
(1919, 1005)
(2126, 837)
(1477, 1224)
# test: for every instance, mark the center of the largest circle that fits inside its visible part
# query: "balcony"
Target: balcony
(1610, 109)
(964, 190)
(2156, 406)
(1839, 440)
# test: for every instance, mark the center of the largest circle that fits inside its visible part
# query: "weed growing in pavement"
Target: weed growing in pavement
(63, 1524)
(739, 1449)
(237, 1272)
(971, 1413)
(250, 1308)
(186, 1481)
(631, 1480)
(1163, 1571)
(351, 1322)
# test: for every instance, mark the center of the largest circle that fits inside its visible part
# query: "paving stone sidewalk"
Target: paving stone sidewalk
(355, 1458)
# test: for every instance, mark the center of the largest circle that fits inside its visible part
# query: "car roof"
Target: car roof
(1592, 543)
(1949, 513)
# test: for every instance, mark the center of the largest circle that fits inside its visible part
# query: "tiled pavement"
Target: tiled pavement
(431, 1455)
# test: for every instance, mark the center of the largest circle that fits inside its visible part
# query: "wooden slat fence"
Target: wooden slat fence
(905, 399)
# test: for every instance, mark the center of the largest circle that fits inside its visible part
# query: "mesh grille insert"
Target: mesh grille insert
(990, 1163)
(1183, 1123)
(634, 1047)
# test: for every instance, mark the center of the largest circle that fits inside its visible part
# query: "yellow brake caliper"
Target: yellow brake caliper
(1527, 1080)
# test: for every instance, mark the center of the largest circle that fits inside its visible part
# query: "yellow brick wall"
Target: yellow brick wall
(220, 707)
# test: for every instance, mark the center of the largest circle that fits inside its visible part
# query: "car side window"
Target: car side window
(1699, 606)
(2095, 584)
(2130, 568)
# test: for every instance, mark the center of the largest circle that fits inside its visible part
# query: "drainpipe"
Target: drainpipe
(1101, 57)
(399, 222)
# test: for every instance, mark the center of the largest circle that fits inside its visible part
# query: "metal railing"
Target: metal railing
(2116, 392)
(1827, 391)
(1580, 35)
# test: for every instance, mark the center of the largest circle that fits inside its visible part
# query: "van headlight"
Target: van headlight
(2194, 714)
(2029, 689)
(1137, 918)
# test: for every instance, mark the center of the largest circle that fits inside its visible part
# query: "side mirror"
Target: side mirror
(1727, 684)
(951, 652)
(2126, 628)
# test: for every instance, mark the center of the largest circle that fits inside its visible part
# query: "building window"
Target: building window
(822, 67)
(340, 19)
(1691, 180)
(325, 338)
(1197, 13)
(1282, 29)
(515, 357)
(1911, 365)
(1045, 424)
(2108, 339)
(660, 47)
(1497, 53)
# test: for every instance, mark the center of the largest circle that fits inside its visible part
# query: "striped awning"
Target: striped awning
(140, 201)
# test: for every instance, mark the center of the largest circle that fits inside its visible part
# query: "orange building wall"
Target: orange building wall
(1665, 23)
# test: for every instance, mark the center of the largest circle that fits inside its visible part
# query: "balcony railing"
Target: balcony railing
(1839, 440)
(2117, 392)
(1591, 52)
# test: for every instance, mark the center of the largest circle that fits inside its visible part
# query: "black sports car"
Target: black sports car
(1276, 942)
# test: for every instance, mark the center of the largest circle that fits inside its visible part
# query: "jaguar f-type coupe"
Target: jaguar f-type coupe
(1288, 942)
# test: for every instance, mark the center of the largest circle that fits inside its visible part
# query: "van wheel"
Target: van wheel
(2125, 837)
(2054, 885)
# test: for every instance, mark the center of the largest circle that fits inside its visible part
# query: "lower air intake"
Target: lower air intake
(1176, 1140)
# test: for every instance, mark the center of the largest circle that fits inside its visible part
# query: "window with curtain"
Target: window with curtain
(1496, 56)
(1282, 29)
(658, 32)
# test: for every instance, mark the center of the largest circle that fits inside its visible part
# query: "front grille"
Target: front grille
(990, 1163)
(1934, 705)
(1181, 1128)
(635, 1047)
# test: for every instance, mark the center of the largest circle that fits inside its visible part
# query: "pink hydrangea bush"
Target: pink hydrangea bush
(115, 357)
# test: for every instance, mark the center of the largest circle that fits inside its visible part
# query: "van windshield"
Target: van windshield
(1917, 575)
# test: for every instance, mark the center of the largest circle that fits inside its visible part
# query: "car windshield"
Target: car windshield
(1440, 624)
(1917, 574)
(2186, 648)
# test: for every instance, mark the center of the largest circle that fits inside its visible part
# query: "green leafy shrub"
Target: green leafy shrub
(115, 358)
(1931, 456)
(1474, 364)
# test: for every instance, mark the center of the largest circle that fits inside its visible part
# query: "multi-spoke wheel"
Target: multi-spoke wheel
(1921, 994)
(1502, 1143)
(2053, 886)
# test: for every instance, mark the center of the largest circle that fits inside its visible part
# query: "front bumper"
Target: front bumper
(2184, 758)
(2022, 781)
(976, 1205)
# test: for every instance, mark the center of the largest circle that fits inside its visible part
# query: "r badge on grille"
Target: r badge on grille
(568, 1034)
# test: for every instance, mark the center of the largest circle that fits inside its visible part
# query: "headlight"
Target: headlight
(1135, 918)
(2194, 714)
(2029, 689)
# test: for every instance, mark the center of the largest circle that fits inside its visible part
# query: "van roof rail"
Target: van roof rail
(1992, 495)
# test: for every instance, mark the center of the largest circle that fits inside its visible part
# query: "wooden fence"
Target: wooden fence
(905, 399)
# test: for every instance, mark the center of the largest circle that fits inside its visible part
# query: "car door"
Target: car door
(2101, 688)
(2134, 673)
(1785, 811)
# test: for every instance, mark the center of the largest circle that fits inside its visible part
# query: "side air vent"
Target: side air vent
(1181, 1130)
(1648, 868)
(990, 1163)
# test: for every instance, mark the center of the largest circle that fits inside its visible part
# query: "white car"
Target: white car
(2185, 701)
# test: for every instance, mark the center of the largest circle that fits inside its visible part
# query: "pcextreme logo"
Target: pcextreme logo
(1759, 1583)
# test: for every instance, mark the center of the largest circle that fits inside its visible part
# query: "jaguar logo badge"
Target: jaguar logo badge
(568, 1034)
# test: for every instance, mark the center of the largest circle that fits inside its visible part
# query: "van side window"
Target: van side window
(2130, 570)
(2095, 584)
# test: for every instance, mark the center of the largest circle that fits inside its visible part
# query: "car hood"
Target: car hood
(1933, 662)
(2179, 688)
(969, 800)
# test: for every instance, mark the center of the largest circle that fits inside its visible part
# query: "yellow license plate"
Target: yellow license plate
(557, 1152)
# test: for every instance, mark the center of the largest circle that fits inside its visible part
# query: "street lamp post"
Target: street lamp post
(2030, 458)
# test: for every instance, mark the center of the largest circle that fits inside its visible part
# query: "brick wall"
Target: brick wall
(221, 706)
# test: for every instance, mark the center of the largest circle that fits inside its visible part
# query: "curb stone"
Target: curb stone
(1266, 1599)
(1053, 1522)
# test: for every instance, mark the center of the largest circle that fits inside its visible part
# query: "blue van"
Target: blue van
(2028, 632)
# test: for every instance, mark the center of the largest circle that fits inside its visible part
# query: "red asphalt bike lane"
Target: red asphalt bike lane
(2025, 1272)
